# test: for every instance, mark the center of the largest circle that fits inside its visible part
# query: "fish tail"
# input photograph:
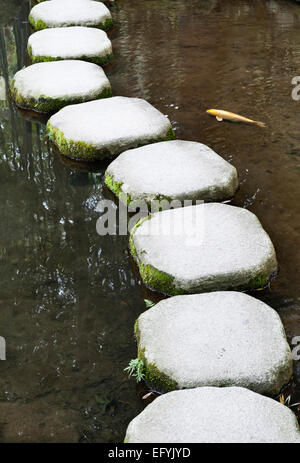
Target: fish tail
(260, 124)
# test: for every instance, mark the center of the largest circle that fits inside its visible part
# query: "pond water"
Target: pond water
(69, 297)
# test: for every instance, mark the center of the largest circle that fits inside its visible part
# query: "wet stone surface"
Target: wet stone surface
(207, 247)
(47, 87)
(215, 339)
(61, 13)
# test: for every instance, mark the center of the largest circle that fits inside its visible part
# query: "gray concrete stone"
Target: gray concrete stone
(223, 338)
(176, 170)
(64, 13)
(104, 128)
(214, 415)
(77, 42)
(203, 248)
(50, 86)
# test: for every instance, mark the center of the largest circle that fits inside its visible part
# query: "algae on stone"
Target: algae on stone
(100, 129)
(176, 170)
(214, 415)
(210, 247)
(75, 42)
(68, 13)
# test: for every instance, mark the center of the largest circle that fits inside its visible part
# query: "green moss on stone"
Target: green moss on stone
(73, 148)
(107, 25)
(259, 282)
(165, 283)
(37, 25)
(152, 277)
(156, 379)
(40, 24)
(100, 60)
(136, 324)
(158, 280)
(45, 104)
(116, 188)
(170, 135)
(80, 150)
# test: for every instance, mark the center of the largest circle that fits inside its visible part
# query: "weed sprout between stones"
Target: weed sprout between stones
(136, 366)
(149, 303)
(135, 369)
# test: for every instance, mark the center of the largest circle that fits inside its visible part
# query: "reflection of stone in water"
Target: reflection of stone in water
(2, 89)
(81, 166)
(33, 116)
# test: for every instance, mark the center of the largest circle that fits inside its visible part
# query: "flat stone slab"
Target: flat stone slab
(173, 170)
(104, 128)
(214, 415)
(223, 338)
(77, 42)
(61, 13)
(47, 87)
(202, 248)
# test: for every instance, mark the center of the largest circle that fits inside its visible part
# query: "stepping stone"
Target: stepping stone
(214, 415)
(223, 338)
(48, 87)
(104, 128)
(203, 248)
(60, 13)
(84, 43)
(172, 170)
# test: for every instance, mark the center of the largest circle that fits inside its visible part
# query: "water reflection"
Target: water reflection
(68, 296)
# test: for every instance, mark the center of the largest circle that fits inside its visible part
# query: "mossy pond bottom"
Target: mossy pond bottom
(69, 297)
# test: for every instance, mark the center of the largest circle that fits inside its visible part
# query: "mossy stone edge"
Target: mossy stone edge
(100, 60)
(116, 188)
(156, 379)
(46, 105)
(151, 276)
(165, 283)
(79, 150)
(39, 25)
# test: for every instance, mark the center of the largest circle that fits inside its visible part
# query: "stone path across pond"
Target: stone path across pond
(217, 338)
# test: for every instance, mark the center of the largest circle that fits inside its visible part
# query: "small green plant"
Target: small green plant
(136, 369)
(149, 303)
(287, 401)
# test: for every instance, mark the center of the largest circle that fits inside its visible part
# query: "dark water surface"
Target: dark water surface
(69, 297)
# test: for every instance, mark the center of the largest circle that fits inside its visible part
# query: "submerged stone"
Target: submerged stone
(202, 248)
(214, 415)
(77, 42)
(60, 13)
(223, 338)
(176, 170)
(104, 128)
(47, 87)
